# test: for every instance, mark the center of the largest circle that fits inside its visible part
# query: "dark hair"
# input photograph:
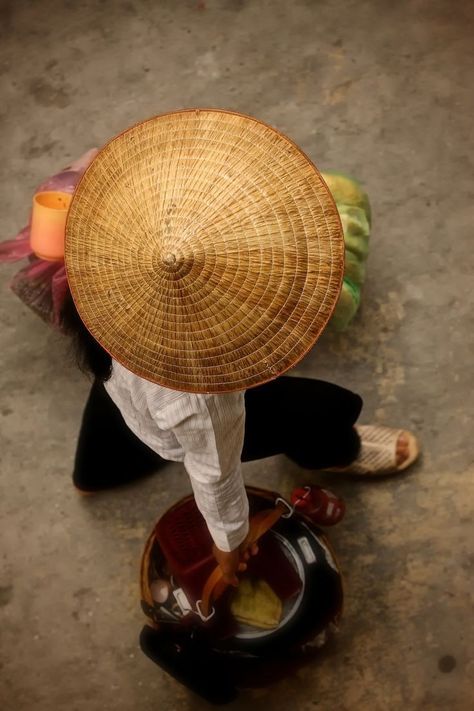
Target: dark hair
(90, 356)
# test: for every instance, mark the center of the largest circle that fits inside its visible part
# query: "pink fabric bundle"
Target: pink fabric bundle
(42, 285)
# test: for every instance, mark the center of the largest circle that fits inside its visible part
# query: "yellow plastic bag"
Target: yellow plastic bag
(254, 603)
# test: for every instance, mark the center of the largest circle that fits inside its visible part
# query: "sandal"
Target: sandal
(377, 456)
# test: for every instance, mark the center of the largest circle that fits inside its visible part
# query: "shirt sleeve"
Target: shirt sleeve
(211, 434)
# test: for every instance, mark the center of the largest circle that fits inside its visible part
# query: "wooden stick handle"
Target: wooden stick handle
(262, 522)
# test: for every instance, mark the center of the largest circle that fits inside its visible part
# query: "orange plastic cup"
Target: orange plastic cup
(48, 224)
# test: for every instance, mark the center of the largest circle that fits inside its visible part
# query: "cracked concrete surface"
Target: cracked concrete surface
(378, 90)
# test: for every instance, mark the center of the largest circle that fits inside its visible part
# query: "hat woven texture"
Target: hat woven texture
(204, 251)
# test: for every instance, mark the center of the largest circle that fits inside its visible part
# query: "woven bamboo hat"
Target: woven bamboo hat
(204, 251)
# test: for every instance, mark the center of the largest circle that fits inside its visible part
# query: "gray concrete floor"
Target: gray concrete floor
(381, 90)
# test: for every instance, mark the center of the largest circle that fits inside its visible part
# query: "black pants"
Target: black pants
(310, 421)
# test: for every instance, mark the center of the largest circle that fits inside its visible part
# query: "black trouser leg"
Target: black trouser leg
(108, 453)
(310, 421)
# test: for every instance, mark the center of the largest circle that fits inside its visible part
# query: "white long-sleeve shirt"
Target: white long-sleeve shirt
(206, 432)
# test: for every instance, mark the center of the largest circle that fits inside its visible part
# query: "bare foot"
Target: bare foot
(403, 451)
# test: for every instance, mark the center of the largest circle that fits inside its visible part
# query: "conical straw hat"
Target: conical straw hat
(204, 251)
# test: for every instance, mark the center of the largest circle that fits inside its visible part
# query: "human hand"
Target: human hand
(233, 562)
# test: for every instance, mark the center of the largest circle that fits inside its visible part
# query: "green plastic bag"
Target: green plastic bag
(354, 210)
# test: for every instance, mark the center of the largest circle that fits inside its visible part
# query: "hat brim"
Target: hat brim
(204, 251)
